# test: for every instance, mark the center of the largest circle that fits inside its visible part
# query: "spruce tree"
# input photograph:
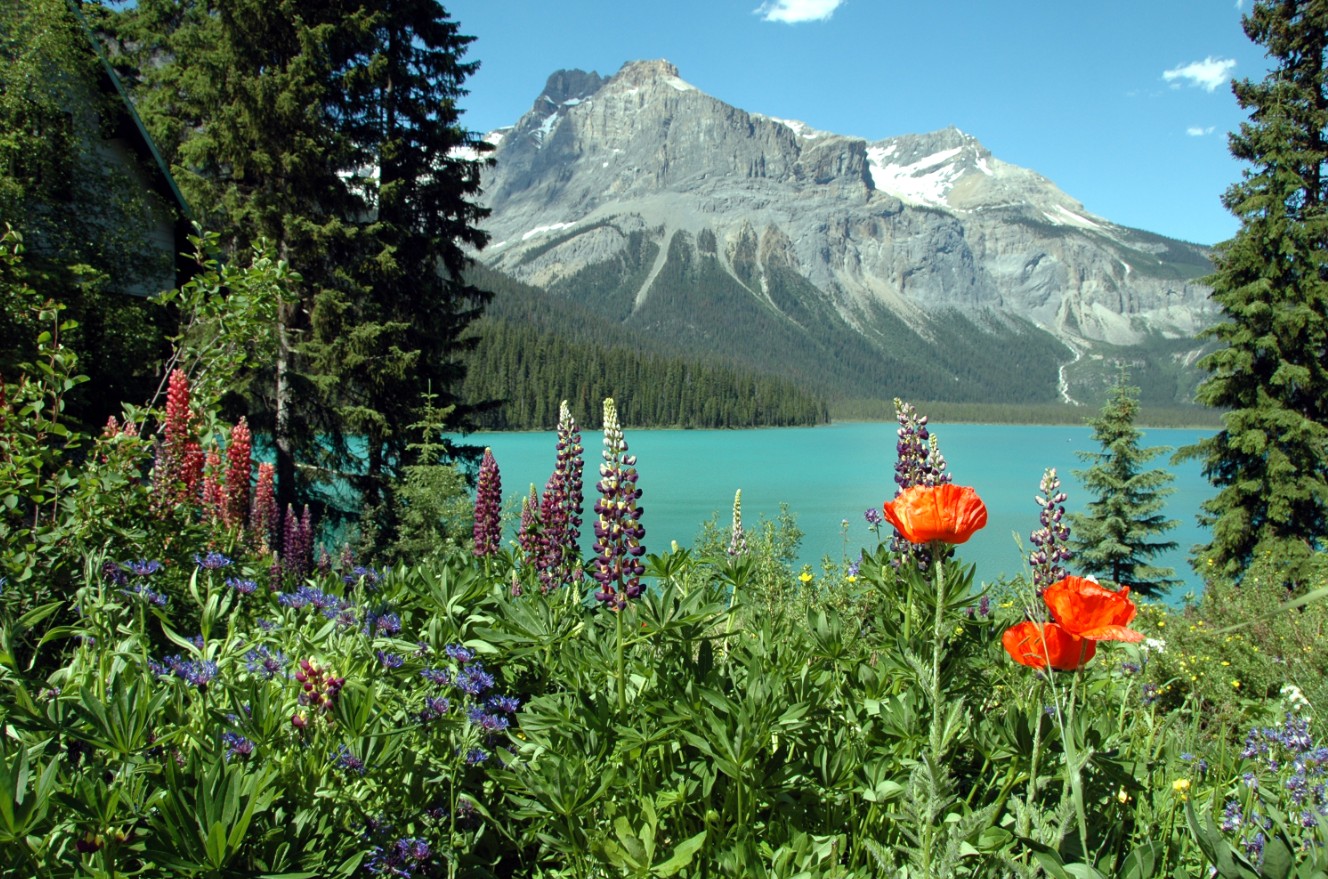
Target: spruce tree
(1270, 460)
(1118, 537)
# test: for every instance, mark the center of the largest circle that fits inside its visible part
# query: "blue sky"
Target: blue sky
(1124, 105)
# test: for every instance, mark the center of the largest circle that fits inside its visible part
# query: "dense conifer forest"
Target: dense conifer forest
(531, 355)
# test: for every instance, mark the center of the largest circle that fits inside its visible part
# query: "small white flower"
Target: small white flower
(1154, 645)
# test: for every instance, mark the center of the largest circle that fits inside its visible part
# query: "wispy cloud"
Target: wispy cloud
(1199, 130)
(797, 11)
(1207, 74)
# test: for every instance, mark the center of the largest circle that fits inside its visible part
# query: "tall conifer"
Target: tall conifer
(1118, 537)
(1270, 460)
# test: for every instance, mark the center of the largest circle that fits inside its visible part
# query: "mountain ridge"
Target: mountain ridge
(909, 226)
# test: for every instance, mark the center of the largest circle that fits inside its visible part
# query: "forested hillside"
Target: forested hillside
(535, 350)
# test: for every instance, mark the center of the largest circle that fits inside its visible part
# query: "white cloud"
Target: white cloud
(1198, 131)
(796, 11)
(1207, 74)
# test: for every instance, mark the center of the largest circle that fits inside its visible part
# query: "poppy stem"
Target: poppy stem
(937, 738)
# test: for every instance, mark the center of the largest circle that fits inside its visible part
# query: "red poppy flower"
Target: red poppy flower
(1039, 645)
(1089, 610)
(924, 513)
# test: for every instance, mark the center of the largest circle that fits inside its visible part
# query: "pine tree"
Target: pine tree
(1118, 536)
(1270, 460)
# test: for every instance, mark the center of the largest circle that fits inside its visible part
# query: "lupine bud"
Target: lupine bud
(737, 538)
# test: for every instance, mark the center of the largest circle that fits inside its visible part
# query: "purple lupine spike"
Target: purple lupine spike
(560, 509)
(1050, 542)
(488, 507)
(737, 538)
(919, 457)
(570, 465)
(918, 462)
(618, 529)
(290, 541)
(528, 533)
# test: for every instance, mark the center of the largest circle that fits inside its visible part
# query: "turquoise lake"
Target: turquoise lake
(833, 473)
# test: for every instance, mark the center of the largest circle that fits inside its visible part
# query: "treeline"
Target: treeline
(1022, 413)
(527, 372)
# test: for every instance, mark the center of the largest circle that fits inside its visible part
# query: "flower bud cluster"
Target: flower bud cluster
(318, 687)
(618, 529)
(737, 537)
(1050, 542)
(919, 460)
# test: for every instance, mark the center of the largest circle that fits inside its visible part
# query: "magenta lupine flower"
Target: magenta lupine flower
(168, 473)
(488, 508)
(235, 503)
(618, 529)
(265, 514)
(528, 532)
(213, 499)
(1050, 541)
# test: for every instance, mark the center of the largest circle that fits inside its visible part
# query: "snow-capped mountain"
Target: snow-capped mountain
(613, 189)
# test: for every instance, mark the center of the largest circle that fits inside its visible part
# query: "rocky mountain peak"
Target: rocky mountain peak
(565, 86)
(603, 171)
(639, 73)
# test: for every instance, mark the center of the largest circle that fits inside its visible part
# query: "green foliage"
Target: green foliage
(1118, 535)
(434, 512)
(83, 203)
(1271, 371)
(331, 131)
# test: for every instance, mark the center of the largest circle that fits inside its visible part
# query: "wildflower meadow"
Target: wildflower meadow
(196, 682)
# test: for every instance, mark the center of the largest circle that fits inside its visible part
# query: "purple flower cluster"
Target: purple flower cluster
(344, 759)
(402, 858)
(381, 622)
(1288, 775)
(488, 508)
(142, 567)
(334, 607)
(236, 745)
(147, 594)
(557, 551)
(264, 663)
(919, 460)
(618, 529)
(297, 544)
(528, 532)
(195, 672)
(242, 585)
(212, 561)
(1050, 547)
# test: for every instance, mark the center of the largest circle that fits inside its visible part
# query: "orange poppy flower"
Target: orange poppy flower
(1039, 645)
(924, 513)
(1089, 610)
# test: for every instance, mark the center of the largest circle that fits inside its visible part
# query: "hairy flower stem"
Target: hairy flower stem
(622, 675)
(937, 734)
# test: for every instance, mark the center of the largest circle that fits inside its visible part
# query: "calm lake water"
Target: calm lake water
(834, 473)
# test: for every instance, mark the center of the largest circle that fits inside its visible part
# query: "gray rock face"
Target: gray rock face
(915, 224)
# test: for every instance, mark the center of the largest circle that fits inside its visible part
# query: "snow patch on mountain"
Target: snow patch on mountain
(924, 182)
